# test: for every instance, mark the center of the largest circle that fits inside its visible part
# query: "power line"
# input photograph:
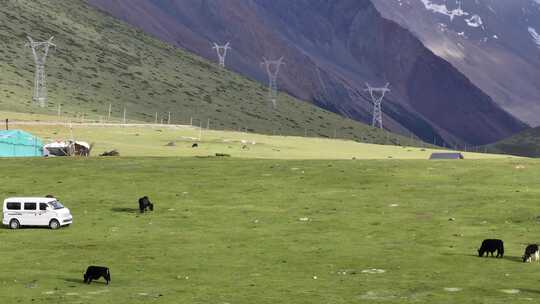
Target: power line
(377, 96)
(272, 69)
(222, 52)
(40, 50)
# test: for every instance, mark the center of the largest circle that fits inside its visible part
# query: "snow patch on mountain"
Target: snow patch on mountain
(443, 9)
(475, 21)
(534, 34)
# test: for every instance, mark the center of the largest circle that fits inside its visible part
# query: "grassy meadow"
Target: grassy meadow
(266, 231)
(135, 140)
(177, 141)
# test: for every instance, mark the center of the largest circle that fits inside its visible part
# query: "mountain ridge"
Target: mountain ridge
(332, 48)
(100, 62)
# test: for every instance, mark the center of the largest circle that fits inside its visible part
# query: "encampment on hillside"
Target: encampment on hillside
(67, 148)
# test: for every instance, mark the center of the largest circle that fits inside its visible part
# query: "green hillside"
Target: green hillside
(101, 61)
(526, 143)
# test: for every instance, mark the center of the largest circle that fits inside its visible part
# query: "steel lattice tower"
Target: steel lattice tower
(272, 69)
(377, 100)
(222, 52)
(40, 51)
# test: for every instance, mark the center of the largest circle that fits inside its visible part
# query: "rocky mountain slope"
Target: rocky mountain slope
(495, 43)
(100, 61)
(331, 49)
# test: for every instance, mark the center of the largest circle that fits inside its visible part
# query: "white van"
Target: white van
(35, 211)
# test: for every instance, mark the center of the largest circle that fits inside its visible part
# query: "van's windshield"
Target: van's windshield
(56, 205)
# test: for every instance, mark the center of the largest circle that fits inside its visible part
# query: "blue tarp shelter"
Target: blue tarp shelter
(17, 143)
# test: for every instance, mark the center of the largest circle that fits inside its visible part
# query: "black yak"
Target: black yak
(490, 246)
(96, 272)
(144, 203)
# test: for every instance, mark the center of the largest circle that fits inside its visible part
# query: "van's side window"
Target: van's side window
(30, 206)
(13, 206)
(42, 206)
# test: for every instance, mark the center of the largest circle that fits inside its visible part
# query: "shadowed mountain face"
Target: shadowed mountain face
(331, 49)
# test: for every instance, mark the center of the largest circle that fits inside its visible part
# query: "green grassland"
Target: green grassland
(100, 61)
(229, 231)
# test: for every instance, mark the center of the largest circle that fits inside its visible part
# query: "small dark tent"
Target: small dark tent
(446, 156)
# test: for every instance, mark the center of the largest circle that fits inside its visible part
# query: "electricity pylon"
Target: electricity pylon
(272, 69)
(40, 51)
(377, 100)
(222, 52)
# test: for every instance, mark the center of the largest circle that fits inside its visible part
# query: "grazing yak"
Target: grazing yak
(531, 252)
(490, 246)
(145, 203)
(110, 153)
(96, 272)
(195, 145)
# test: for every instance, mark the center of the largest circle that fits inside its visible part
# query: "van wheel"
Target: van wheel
(14, 224)
(54, 224)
